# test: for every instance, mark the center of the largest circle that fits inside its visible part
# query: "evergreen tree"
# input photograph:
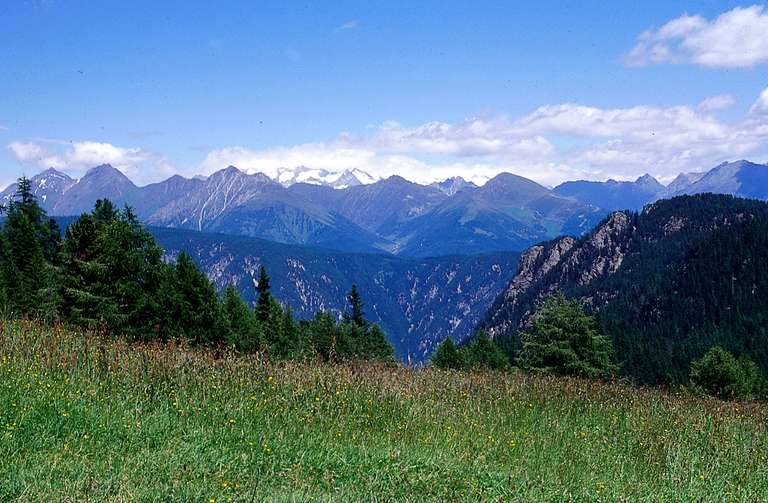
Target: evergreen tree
(113, 273)
(264, 303)
(32, 243)
(482, 352)
(721, 374)
(197, 309)
(355, 315)
(447, 356)
(84, 296)
(564, 340)
(241, 329)
(323, 335)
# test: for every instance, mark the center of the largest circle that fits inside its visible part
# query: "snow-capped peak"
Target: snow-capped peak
(318, 176)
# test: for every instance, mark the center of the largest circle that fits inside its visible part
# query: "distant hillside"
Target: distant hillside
(740, 178)
(418, 302)
(613, 195)
(667, 283)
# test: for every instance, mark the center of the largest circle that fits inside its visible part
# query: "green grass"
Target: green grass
(83, 418)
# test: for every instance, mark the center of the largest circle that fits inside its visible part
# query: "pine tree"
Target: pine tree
(30, 278)
(264, 303)
(83, 298)
(323, 335)
(356, 304)
(482, 352)
(241, 330)
(198, 309)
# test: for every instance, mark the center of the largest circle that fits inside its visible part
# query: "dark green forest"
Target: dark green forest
(107, 274)
(693, 276)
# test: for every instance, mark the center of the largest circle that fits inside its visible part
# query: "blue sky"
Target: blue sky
(549, 90)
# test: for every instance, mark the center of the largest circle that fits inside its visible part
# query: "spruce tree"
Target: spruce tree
(32, 243)
(198, 310)
(355, 315)
(565, 340)
(241, 330)
(264, 303)
(323, 335)
(484, 353)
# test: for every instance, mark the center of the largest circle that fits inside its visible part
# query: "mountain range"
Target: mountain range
(739, 178)
(392, 215)
(352, 211)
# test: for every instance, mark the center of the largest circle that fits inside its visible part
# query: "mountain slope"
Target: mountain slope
(417, 302)
(613, 195)
(378, 207)
(666, 283)
(233, 202)
(507, 213)
(740, 178)
(48, 187)
(100, 182)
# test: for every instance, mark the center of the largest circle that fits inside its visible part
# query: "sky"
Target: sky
(549, 90)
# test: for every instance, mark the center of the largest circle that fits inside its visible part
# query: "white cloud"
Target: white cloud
(26, 151)
(349, 25)
(761, 105)
(551, 144)
(735, 39)
(715, 103)
(76, 157)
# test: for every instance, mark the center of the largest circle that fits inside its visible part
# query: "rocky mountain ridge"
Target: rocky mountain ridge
(684, 273)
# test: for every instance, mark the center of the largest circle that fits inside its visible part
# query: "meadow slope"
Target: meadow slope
(86, 418)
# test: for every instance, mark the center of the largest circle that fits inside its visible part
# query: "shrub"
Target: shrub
(447, 356)
(719, 373)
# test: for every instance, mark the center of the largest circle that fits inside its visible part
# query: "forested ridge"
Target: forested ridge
(107, 274)
(690, 273)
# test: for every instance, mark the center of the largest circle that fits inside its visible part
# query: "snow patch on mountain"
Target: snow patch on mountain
(315, 176)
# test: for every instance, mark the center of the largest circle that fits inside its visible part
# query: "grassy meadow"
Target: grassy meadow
(84, 418)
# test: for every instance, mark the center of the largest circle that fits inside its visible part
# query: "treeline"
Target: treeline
(108, 274)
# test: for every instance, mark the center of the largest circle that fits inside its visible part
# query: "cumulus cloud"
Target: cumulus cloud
(715, 103)
(76, 157)
(735, 39)
(551, 144)
(761, 105)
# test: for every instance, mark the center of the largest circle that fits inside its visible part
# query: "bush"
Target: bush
(447, 356)
(719, 373)
(564, 340)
